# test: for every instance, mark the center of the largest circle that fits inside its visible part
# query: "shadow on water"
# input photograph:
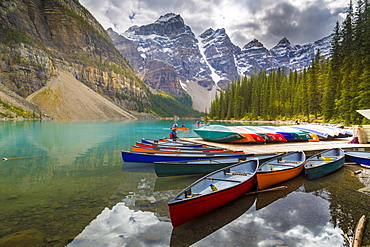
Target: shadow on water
(266, 198)
(137, 167)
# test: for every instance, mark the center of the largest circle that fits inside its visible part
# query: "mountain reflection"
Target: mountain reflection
(70, 180)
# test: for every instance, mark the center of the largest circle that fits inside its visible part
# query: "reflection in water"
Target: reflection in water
(201, 227)
(286, 222)
(121, 226)
(175, 182)
(346, 203)
(266, 198)
(74, 178)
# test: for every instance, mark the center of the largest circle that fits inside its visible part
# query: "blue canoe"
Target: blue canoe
(324, 163)
(360, 157)
(287, 134)
(128, 156)
(306, 128)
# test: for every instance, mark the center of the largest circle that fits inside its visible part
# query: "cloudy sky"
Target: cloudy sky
(301, 21)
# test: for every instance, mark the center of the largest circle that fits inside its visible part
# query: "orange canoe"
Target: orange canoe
(182, 128)
(280, 169)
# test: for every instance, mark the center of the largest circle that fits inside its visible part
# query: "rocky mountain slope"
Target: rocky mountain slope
(168, 55)
(40, 38)
(66, 97)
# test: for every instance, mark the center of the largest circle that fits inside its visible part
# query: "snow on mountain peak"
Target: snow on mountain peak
(253, 43)
(167, 52)
(284, 42)
(169, 17)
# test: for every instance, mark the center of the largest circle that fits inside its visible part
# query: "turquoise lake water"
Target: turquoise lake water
(64, 184)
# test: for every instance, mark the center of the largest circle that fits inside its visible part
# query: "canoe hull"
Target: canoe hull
(317, 168)
(218, 136)
(164, 150)
(202, 205)
(156, 146)
(359, 157)
(186, 209)
(163, 169)
(171, 143)
(322, 171)
(157, 157)
(183, 128)
(267, 179)
(279, 170)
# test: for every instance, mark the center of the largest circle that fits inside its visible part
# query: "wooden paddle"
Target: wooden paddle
(18, 158)
(266, 190)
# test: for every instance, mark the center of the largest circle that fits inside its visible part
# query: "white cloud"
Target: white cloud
(266, 20)
(121, 226)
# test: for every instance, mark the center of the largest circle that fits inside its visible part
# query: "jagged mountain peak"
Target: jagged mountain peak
(169, 25)
(167, 54)
(253, 43)
(209, 32)
(214, 36)
(284, 42)
(169, 18)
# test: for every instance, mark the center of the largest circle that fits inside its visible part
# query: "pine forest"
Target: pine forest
(330, 90)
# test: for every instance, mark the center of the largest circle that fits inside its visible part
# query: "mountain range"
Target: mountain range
(168, 56)
(55, 56)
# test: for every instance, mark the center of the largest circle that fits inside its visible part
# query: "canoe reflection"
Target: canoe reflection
(335, 178)
(175, 182)
(137, 167)
(199, 228)
(266, 198)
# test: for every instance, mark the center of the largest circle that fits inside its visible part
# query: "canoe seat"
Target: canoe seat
(290, 161)
(276, 169)
(278, 164)
(189, 194)
(239, 173)
(222, 179)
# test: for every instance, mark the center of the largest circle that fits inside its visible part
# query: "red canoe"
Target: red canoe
(176, 148)
(212, 191)
(165, 150)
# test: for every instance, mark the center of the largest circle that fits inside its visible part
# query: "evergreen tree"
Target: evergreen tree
(331, 88)
(347, 84)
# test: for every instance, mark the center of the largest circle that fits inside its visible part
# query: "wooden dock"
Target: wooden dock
(283, 147)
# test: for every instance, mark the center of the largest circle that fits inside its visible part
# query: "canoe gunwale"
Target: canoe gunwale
(269, 177)
(178, 168)
(360, 157)
(324, 168)
(128, 156)
(175, 201)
